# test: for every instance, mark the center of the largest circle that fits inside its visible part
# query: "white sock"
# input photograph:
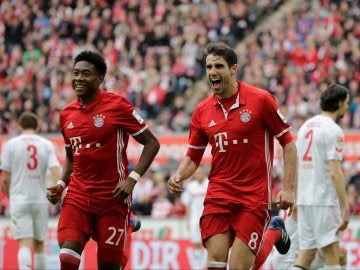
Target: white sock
(40, 261)
(24, 258)
(343, 267)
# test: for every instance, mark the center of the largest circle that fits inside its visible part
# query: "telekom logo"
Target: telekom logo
(221, 141)
(76, 144)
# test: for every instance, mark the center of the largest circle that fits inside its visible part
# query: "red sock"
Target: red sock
(69, 259)
(271, 237)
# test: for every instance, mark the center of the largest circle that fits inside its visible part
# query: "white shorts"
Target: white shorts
(318, 226)
(195, 235)
(29, 220)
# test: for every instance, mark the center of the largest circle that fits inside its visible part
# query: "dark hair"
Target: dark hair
(94, 58)
(330, 98)
(28, 120)
(221, 49)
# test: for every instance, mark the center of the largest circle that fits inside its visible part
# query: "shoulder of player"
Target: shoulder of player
(253, 90)
(69, 106)
(110, 97)
(205, 104)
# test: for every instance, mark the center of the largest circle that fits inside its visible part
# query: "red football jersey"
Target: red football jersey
(98, 135)
(242, 145)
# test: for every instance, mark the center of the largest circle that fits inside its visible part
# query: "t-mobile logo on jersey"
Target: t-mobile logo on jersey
(75, 144)
(220, 139)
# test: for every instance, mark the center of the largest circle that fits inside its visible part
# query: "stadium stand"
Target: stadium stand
(154, 52)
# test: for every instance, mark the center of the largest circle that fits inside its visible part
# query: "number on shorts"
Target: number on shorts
(253, 240)
(112, 237)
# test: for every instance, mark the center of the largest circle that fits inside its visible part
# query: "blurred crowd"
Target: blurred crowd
(153, 49)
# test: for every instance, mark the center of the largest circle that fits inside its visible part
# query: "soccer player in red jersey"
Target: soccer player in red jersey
(96, 129)
(240, 123)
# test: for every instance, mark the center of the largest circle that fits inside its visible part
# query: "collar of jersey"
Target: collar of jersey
(91, 104)
(241, 93)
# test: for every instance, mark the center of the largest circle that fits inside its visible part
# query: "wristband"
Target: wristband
(61, 183)
(134, 175)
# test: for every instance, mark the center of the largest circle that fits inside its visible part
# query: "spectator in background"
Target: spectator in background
(25, 160)
(193, 197)
(162, 205)
(240, 132)
(323, 209)
(142, 197)
(353, 194)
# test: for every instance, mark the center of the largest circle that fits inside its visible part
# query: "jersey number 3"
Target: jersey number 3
(309, 136)
(32, 161)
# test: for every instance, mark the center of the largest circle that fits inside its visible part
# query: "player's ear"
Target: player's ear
(234, 69)
(101, 78)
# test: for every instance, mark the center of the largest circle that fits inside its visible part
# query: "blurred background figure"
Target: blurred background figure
(25, 159)
(193, 197)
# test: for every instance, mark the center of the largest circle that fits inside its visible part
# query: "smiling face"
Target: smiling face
(221, 77)
(86, 81)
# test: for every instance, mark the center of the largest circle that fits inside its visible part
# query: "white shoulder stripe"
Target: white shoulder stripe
(196, 147)
(140, 131)
(282, 132)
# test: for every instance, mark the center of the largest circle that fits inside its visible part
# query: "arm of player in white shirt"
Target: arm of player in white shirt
(6, 178)
(338, 181)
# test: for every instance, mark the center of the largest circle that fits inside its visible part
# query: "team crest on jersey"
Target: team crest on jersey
(99, 120)
(245, 115)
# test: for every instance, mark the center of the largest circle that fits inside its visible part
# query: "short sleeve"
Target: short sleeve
(335, 144)
(275, 121)
(5, 157)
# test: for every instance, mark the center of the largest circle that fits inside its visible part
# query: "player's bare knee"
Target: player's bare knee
(72, 245)
(311, 255)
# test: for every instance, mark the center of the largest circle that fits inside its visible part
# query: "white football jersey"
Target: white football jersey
(27, 157)
(319, 140)
(194, 196)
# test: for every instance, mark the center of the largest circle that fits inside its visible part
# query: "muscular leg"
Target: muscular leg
(331, 254)
(70, 254)
(218, 250)
(241, 258)
(108, 266)
(305, 257)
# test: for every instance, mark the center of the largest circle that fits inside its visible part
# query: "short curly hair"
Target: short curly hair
(94, 58)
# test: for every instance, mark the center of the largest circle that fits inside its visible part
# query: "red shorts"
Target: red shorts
(108, 227)
(249, 225)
